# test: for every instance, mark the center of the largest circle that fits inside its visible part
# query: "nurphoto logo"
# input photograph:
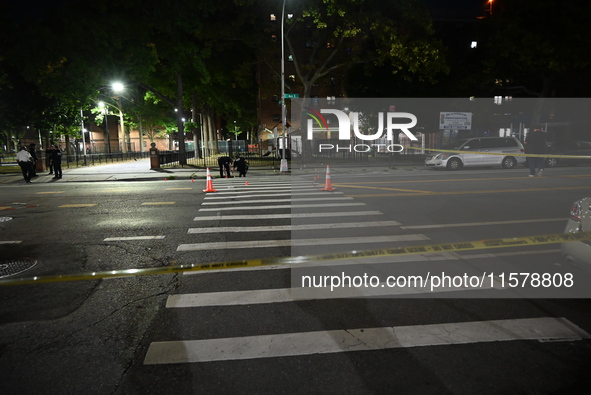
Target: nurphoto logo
(350, 121)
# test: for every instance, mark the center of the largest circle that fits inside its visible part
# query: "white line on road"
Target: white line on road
(287, 206)
(282, 295)
(324, 198)
(298, 242)
(525, 221)
(319, 193)
(10, 242)
(279, 216)
(363, 339)
(134, 238)
(278, 228)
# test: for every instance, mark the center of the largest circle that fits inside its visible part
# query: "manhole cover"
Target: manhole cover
(5, 219)
(16, 266)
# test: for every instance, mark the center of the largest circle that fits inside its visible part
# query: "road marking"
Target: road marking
(432, 257)
(434, 193)
(288, 206)
(284, 295)
(380, 188)
(278, 228)
(279, 216)
(249, 189)
(176, 189)
(40, 193)
(319, 193)
(298, 242)
(325, 198)
(10, 242)
(156, 203)
(438, 226)
(77, 205)
(134, 238)
(363, 339)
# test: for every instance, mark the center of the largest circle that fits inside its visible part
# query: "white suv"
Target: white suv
(505, 147)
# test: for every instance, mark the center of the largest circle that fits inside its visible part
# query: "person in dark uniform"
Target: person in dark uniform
(224, 162)
(241, 165)
(33, 153)
(535, 143)
(49, 157)
(56, 159)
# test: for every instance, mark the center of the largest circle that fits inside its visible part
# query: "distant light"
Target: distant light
(273, 17)
(117, 86)
(289, 16)
(474, 44)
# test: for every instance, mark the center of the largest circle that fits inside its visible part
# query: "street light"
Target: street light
(118, 87)
(283, 167)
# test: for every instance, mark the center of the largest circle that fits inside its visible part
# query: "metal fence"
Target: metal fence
(97, 159)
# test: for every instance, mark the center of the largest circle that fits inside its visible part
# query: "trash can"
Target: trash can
(154, 158)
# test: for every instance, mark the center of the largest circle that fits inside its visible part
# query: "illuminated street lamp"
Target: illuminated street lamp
(283, 167)
(118, 87)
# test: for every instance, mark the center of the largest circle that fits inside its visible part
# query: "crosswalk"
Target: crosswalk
(319, 222)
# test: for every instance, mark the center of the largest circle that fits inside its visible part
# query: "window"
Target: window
(471, 145)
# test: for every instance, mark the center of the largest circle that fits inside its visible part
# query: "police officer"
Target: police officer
(33, 153)
(242, 165)
(224, 162)
(24, 161)
(56, 159)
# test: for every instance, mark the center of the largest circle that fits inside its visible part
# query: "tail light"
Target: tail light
(522, 151)
(575, 211)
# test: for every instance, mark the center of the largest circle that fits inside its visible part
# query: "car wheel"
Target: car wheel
(509, 162)
(551, 162)
(454, 164)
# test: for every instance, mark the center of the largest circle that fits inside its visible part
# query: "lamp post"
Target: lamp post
(283, 167)
(117, 88)
(83, 137)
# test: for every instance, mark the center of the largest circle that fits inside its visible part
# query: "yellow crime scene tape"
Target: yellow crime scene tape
(398, 251)
(499, 153)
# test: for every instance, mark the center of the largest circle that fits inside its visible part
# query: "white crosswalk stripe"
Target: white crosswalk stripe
(293, 215)
(362, 339)
(279, 228)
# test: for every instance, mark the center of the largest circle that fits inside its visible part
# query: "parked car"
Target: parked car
(506, 147)
(579, 252)
(571, 148)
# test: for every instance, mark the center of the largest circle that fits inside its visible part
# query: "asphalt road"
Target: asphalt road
(248, 330)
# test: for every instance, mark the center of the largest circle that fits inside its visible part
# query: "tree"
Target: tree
(337, 35)
(539, 49)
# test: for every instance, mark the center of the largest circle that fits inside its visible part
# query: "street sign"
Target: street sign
(292, 96)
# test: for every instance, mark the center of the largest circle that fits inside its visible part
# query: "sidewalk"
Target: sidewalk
(123, 171)
(140, 171)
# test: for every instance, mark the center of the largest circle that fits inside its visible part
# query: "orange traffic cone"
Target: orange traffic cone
(209, 187)
(328, 185)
